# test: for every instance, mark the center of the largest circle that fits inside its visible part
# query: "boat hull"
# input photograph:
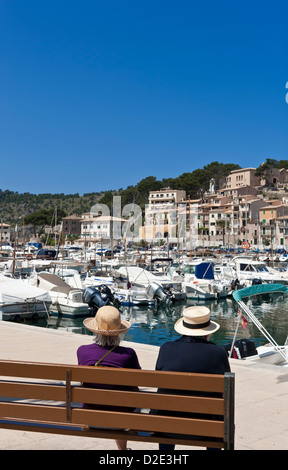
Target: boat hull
(22, 310)
(69, 310)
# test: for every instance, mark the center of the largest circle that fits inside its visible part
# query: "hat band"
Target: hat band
(196, 327)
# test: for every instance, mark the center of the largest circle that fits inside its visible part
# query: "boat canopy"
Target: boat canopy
(13, 291)
(204, 271)
(258, 289)
(238, 295)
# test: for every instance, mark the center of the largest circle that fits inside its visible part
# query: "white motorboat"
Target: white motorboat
(134, 297)
(19, 299)
(66, 300)
(199, 281)
(133, 277)
(250, 271)
(126, 296)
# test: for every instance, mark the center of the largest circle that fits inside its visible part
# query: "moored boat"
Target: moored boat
(21, 300)
(271, 353)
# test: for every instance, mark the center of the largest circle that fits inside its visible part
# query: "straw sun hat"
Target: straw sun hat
(107, 322)
(196, 322)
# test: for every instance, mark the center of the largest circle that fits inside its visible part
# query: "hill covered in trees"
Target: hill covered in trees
(15, 206)
(194, 183)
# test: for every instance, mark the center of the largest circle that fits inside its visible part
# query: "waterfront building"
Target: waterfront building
(273, 220)
(166, 208)
(71, 225)
(5, 234)
(102, 228)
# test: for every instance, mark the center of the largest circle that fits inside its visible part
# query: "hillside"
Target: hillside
(14, 206)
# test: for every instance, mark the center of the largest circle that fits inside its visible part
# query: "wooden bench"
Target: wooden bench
(42, 397)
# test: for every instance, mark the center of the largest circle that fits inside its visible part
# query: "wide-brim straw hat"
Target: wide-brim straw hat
(107, 322)
(196, 322)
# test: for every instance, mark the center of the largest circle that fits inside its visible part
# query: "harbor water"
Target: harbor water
(154, 326)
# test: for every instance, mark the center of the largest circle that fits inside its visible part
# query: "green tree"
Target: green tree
(264, 168)
(43, 217)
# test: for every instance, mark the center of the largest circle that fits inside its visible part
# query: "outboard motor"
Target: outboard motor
(235, 284)
(96, 298)
(106, 292)
(156, 291)
(242, 348)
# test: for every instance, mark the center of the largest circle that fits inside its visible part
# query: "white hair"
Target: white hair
(103, 340)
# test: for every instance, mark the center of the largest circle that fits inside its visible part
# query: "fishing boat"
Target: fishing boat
(271, 353)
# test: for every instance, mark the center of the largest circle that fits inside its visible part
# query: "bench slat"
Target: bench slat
(110, 434)
(132, 377)
(29, 411)
(151, 423)
(33, 391)
(150, 400)
(129, 399)
(110, 419)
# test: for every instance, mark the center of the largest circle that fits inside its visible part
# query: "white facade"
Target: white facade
(5, 234)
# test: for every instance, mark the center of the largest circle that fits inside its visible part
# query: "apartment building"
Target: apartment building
(242, 177)
(5, 234)
(165, 214)
(237, 191)
(166, 196)
(71, 225)
(103, 228)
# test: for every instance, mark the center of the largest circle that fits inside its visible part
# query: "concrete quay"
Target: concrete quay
(261, 411)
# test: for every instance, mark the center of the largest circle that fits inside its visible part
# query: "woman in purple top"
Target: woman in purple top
(108, 327)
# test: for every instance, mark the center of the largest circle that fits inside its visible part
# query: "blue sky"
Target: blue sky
(98, 95)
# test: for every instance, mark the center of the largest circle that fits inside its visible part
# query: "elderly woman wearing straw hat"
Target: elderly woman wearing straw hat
(108, 328)
(193, 352)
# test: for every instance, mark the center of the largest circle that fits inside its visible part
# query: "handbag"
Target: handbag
(97, 364)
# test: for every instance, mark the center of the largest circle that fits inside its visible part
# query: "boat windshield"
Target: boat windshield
(172, 268)
(189, 269)
(246, 267)
(261, 268)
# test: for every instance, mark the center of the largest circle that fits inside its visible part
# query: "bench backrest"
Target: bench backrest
(32, 391)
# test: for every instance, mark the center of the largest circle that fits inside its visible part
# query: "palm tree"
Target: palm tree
(223, 225)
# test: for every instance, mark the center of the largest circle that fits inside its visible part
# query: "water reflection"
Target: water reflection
(156, 325)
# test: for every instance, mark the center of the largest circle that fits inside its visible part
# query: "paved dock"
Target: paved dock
(261, 393)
